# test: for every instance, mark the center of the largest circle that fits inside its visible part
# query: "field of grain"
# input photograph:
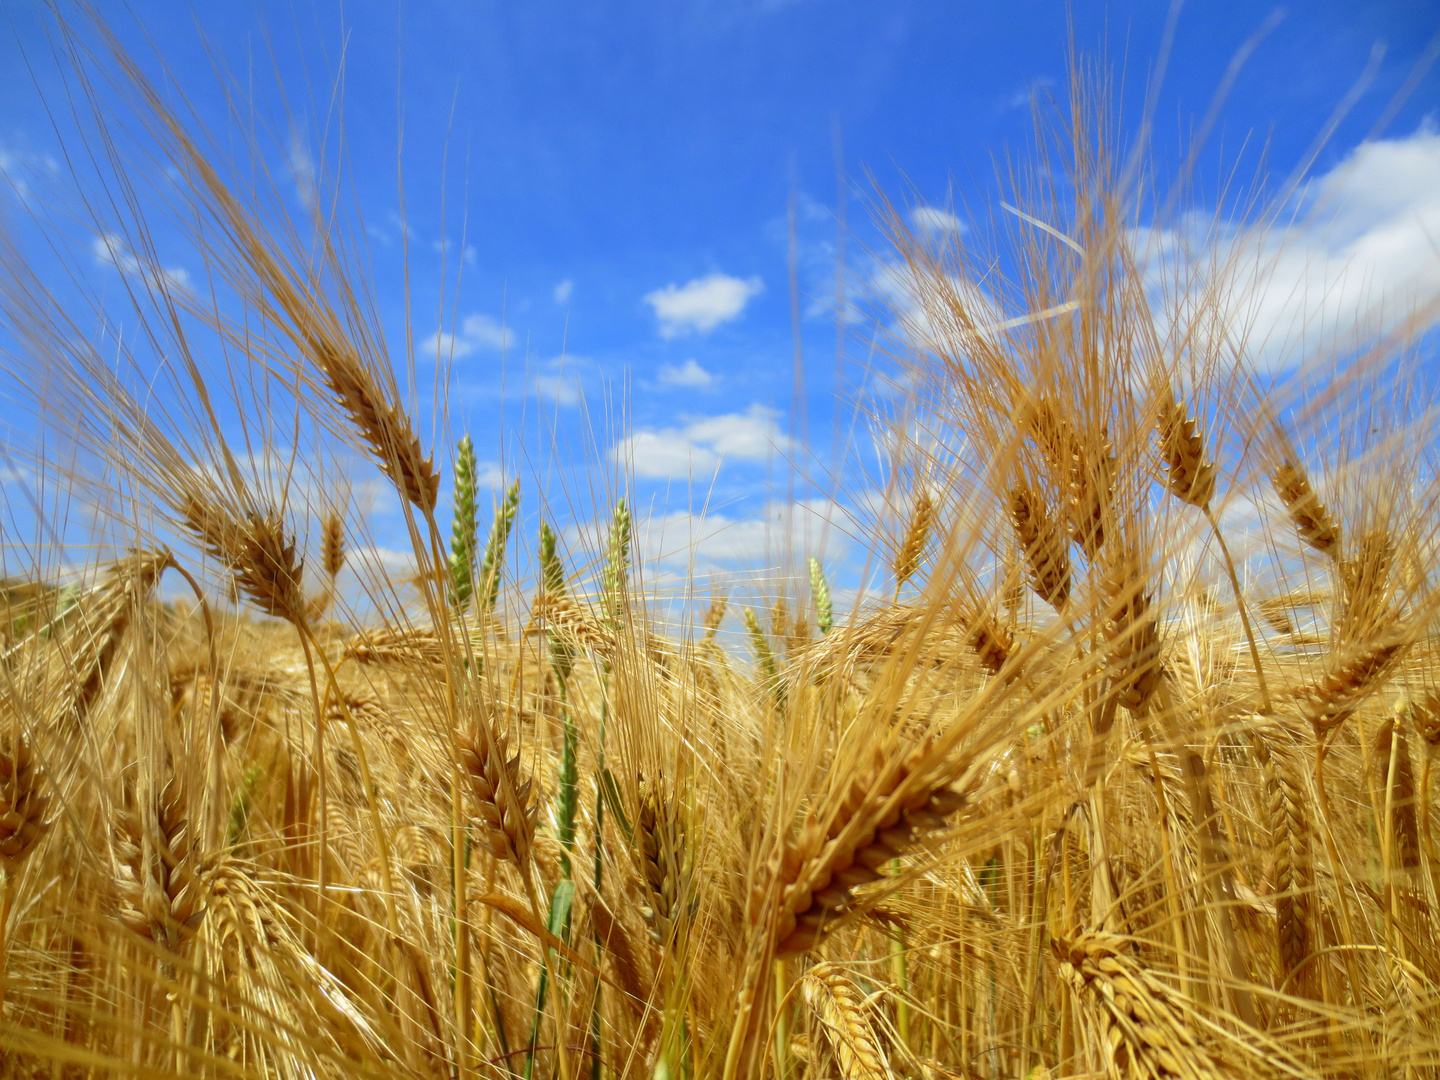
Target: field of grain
(1124, 769)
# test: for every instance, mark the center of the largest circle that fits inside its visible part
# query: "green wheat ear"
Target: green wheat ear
(495, 548)
(617, 559)
(552, 583)
(464, 529)
(820, 593)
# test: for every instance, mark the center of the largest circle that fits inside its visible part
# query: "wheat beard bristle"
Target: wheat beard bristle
(507, 815)
(869, 829)
(1145, 1032)
(1045, 551)
(1190, 478)
(1312, 520)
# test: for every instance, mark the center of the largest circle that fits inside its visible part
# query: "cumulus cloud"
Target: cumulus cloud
(476, 332)
(689, 374)
(715, 541)
(561, 387)
(932, 219)
(563, 291)
(702, 304)
(1360, 258)
(700, 446)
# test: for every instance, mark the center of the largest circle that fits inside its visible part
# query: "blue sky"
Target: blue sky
(610, 186)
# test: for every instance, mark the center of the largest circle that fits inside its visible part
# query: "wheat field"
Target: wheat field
(1123, 768)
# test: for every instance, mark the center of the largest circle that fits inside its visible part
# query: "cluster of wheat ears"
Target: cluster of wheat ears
(1125, 771)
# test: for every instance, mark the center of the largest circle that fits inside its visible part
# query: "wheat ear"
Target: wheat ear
(660, 840)
(715, 614)
(493, 563)
(989, 640)
(1092, 489)
(23, 802)
(838, 1003)
(1293, 874)
(257, 551)
(873, 823)
(1350, 676)
(1312, 520)
(760, 647)
(1132, 634)
(332, 545)
(160, 886)
(1146, 1032)
(1044, 547)
(507, 813)
(1188, 475)
(1397, 777)
(911, 552)
(820, 596)
(463, 539)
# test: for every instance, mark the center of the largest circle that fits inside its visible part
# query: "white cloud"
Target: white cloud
(563, 388)
(394, 563)
(476, 332)
(1360, 259)
(688, 374)
(702, 304)
(490, 475)
(700, 445)
(932, 219)
(563, 291)
(707, 543)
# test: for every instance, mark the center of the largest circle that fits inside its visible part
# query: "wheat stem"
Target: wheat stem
(1265, 706)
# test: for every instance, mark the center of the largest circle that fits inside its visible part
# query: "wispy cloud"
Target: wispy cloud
(702, 304)
(932, 219)
(689, 374)
(698, 447)
(110, 249)
(563, 292)
(476, 332)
